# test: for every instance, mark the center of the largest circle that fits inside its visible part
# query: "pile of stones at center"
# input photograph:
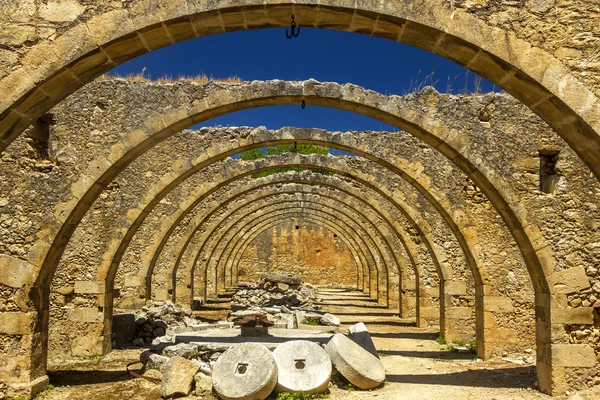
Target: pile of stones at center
(284, 299)
(250, 371)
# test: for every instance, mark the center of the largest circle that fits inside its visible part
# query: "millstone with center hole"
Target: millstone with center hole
(303, 367)
(247, 371)
(356, 364)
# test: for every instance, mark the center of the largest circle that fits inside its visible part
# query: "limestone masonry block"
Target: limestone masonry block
(573, 355)
(89, 287)
(569, 280)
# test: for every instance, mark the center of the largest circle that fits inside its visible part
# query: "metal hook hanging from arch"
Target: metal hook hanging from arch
(295, 29)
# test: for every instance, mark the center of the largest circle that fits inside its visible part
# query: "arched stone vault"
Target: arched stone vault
(499, 51)
(299, 218)
(275, 217)
(376, 269)
(349, 169)
(383, 257)
(373, 208)
(317, 270)
(515, 221)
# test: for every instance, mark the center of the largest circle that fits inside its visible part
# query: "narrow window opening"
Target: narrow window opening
(548, 174)
(335, 235)
(297, 227)
(318, 251)
(39, 137)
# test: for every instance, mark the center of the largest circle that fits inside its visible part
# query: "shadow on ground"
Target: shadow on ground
(523, 377)
(75, 378)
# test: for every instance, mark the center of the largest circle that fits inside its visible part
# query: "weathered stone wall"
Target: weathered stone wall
(301, 248)
(494, 132)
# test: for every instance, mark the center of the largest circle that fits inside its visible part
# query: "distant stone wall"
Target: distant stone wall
(305, 249)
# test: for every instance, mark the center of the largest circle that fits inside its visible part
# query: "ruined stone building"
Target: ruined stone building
(480, 215)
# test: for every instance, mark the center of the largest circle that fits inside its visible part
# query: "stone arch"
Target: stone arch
(323, 217)
(277, 162)
(513, 220)
(383, 256)
(272, 184)
(51, 70)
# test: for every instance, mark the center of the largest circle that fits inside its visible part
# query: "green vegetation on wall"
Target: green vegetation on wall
(305, 149)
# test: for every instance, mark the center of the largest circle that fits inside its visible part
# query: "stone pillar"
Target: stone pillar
(373, 292)
(393, 291)
(24, 332)
(565, 360)
(429, 307)
(459, 321)
(92, 319)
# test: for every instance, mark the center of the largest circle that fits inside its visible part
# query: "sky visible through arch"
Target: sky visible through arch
(373, 63)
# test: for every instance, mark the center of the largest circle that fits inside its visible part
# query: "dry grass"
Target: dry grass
(142, 77)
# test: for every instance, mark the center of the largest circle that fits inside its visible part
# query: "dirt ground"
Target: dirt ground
(417, 368)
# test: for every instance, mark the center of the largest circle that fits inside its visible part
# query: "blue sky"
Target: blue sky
(378, 64)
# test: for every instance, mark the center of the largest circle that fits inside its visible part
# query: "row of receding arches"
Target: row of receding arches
(171, 213)
(491, 242)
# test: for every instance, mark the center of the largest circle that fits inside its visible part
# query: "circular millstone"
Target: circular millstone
(356, 364)
(247, 371)
(303, 367)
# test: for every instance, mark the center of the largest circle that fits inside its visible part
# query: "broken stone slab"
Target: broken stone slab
(224, 324)
(318, 328)
(277, 278)
(157, 362)
(356, 364)
(303, 366)
(246, 371)
(360, 334)
(330, 320)
(205, 367)
(185, 350)
(178, 376)
(199, 327)
(163, 339)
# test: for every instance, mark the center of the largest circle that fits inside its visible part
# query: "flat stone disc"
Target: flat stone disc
(303, 367)
(247, 371)
(356, 364)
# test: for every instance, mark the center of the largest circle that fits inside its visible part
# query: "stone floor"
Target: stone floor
(417, 366)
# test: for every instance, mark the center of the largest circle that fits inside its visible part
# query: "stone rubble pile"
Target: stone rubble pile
(161, 318)
(275, 290)
(251, 371)
(283, 299)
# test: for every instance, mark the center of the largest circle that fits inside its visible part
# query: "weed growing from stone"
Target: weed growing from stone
(302, 396)
(312, 322)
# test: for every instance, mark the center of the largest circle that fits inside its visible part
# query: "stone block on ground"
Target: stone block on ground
(356, 364)
(203, 384)
(124, 326)
(185, 350)
(330, 320)
(277, 278)
(245, 371)
(302, 366)
(157, 362)
(319, 328)
(178, 376)
(360, 334)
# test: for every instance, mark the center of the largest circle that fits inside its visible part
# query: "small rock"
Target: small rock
(185, 350)
(157, 362)
(203, 383)
(330, 320)
(139, 342)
